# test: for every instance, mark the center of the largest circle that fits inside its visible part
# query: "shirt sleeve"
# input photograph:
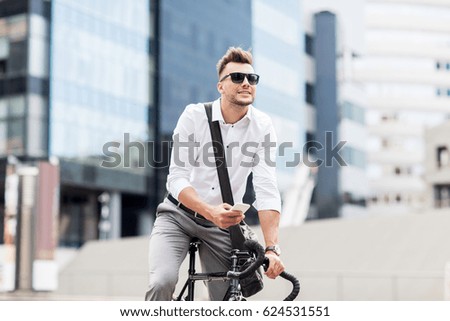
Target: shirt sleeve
(184, 153)
(264, 173)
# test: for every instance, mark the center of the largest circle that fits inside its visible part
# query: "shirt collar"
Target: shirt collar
(217, 113)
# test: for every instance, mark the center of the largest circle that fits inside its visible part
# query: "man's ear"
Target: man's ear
(220, 87)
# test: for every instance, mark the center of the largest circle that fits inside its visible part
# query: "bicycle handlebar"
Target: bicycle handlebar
(259, 260)
(295, 285)
(255, 247)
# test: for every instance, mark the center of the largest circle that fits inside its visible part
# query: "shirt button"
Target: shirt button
(213, 188)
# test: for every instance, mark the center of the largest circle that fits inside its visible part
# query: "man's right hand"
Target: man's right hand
(220, 215)
(223, 217)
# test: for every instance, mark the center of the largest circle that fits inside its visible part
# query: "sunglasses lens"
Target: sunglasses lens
(252, 79)
(237, 77)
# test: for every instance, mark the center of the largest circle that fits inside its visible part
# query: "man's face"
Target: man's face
(242, 94)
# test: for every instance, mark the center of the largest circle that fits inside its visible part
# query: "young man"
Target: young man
(194, 206)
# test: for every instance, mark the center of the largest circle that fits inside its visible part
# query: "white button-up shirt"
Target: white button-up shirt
(193, 162)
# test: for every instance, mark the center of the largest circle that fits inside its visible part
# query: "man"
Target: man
(194, 206)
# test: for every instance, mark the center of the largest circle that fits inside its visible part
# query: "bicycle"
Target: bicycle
(238, 258)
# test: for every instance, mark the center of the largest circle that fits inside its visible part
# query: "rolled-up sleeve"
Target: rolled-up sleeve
(264, 174)
(183, 154)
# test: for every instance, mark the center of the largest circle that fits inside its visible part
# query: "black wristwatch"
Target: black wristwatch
(274, 248)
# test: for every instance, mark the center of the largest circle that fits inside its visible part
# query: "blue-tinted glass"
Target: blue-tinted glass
(89, 102)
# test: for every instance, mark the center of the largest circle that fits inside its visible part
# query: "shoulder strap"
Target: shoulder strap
(236, 236)
(219, 153)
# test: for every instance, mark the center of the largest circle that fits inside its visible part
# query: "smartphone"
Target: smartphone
(240, 207)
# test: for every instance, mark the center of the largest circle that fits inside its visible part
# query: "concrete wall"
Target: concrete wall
(379, 258)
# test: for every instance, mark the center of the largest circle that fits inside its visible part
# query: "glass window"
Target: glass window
(4, 48)
(16, 106)
(3, 27)
(443, 159)
(3, 136)
(16, 130)
(309, 93)
(353, 112)
(3, 108)
(309, 44)
(310, 147)
(3, 67)
(17, 29)
(17, 60)
(354, 157)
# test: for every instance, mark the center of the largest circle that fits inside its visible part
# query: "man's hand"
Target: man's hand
(275, 265)
(219, 215)
(224, 218)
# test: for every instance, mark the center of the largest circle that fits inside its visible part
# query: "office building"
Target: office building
(406, 72)
(335, 107)
(193, 36)
(98, 86)
(278, 49)
(75, 87)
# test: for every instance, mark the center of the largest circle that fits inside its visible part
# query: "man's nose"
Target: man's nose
(245, 82)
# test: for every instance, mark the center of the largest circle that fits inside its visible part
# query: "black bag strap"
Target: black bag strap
(236, 235)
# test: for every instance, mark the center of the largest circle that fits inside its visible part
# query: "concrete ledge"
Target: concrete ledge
(376, 258)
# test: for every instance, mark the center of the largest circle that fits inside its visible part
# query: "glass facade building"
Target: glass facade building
(193, 36)
(100, 109)
(336, 107)
(278, 52)
(23, 88)
(98, 85)
(76, 85)
(100, 76)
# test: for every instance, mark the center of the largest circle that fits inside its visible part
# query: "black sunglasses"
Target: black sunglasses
(238, 78)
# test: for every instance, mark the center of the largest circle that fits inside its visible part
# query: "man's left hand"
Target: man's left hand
(276, 266)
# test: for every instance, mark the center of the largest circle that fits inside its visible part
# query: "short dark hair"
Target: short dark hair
(234, 54)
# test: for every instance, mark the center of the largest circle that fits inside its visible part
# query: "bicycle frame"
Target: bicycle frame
(233, 293)
(193, 275)
(233, 275)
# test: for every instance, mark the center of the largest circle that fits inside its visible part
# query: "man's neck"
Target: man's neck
(232, 113)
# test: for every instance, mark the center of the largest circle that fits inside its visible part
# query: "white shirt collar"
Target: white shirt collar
(217, 113)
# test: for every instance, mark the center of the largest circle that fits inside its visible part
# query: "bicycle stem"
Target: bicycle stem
(234, 282)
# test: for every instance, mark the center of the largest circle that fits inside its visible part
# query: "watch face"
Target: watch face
(275, 248)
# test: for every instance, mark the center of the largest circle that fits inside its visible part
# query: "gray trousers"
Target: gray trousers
(169, 244)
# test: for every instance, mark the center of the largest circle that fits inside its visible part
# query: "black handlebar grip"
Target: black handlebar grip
(295, 286)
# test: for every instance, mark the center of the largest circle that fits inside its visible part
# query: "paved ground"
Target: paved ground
(50, 296)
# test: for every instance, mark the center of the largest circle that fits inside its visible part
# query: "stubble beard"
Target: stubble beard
(242, 103)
